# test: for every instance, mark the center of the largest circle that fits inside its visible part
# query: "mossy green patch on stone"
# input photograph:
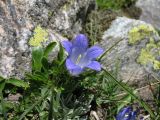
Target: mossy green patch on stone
(141, 32)
(114, 4)
(149, 55)
(40, 35)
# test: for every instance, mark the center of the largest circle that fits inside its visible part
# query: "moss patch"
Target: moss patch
(40, 35)
(150, 54)
(139, 33)
(114, 4)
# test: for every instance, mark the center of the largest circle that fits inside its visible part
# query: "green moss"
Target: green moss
(114, 4)
(40, 35)
(139, 33)
(149, 55)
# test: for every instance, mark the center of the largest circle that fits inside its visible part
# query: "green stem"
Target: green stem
(104, 54)
(3, 107)
(143, 104)
(50, 116)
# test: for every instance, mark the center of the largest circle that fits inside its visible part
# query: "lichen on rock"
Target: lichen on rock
(40, 35)
(140, 32)
(138, 52)
(150, 54)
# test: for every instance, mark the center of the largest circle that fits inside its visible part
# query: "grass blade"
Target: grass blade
(109, 49)
(50, 116)
(36, 103)
(143, 104)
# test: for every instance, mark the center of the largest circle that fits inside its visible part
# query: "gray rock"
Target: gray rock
(133, 56)
(150, 11)
(63, 15)
(18, 19)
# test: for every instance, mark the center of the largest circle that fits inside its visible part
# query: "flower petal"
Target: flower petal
(67, 45)
(123, 112)
(133, 115)
(69, 64)
(94, 65)
(94, 52)
(90, 55)
(73, 68)
(76, 71)
(81, 42)
(76, 52)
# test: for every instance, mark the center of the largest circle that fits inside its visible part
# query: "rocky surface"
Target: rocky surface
(150, 11)
(19, 20)
(136, 56)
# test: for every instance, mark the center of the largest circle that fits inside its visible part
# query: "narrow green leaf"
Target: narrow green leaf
(37, 54)
(1, 78)
(35, 104)
(45, 64)
(37, 76)
(142, 103)
(50, 116)
(2, 85)
(61, 53)
(2, 109)
(104, 54)
(18, 83)
(49, 48)
(126, 100)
